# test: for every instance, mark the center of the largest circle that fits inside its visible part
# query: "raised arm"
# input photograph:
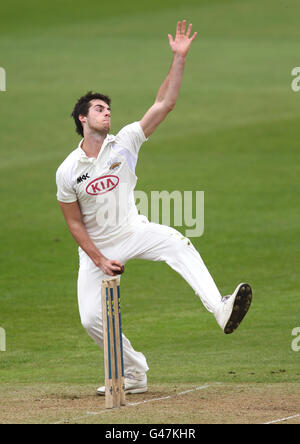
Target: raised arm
(168, 92)
(72, 214)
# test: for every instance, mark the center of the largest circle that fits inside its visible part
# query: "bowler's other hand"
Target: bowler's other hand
(111, 267)
(182, 42)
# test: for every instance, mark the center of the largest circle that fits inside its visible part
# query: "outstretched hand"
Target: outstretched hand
(182, 42)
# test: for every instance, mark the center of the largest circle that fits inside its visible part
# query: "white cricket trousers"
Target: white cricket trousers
(151, 242)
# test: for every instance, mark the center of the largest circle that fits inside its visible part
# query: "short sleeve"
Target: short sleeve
(131, 137)
(65, 192)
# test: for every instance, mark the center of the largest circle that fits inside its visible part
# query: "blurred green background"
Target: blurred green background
(234, 134)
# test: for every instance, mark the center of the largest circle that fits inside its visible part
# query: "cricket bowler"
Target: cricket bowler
(95, 190)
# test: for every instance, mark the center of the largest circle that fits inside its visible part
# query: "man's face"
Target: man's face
(98, 118)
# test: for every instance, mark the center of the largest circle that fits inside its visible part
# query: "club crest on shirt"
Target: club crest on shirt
(102, 185)
(114, 165)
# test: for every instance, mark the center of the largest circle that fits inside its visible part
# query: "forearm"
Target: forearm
(162, 90)
(169, 90)
(73, 217)
(83, 239)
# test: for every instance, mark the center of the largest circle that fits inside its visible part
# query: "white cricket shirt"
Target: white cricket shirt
(104, 186)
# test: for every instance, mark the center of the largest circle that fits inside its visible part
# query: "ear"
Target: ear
(82, 118)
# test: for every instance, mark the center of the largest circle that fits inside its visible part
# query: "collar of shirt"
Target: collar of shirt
(85, 159)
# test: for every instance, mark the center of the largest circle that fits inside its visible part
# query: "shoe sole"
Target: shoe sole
(240, 308)
(129, 391)
(134, 391)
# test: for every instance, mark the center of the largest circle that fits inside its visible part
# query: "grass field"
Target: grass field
(234, 134)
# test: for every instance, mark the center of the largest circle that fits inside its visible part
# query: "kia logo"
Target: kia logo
(102, 185)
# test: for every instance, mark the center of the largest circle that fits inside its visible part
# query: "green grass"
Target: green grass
(233, 134)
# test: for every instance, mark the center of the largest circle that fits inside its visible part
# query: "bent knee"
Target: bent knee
(90, 320)
(179, 241)
(179, 248)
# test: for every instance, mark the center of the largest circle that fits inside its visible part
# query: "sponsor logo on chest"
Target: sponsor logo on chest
(102, 185)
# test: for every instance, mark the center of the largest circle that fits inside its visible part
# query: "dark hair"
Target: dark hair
(82, 107)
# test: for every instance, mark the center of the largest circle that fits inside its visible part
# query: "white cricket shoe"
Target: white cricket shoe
(137, 385)
(233, 308)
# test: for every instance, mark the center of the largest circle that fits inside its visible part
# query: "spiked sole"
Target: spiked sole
(240, 308)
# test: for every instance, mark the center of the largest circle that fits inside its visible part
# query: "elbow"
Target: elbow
(74, 225)
(166, 106)
(170, 106)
